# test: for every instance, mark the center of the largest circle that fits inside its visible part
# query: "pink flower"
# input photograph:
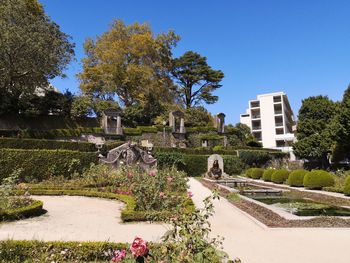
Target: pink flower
(189, 194)
(153, 172)
(139, 247)
(119, 255)
(162, 261)
(170, 179)
(162, 195)
(130, 174)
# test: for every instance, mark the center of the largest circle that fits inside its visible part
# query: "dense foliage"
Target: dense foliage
(33, 50)
(296, 177)
(268, 174)
(346, 189)
(280, 176)
(317, 179)
(14, 143)
(257, 173)
(233, 165)
(37, 165)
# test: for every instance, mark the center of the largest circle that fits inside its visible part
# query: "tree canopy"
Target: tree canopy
(33, 50)
(195, 79)
(314, 131)
(128, 62)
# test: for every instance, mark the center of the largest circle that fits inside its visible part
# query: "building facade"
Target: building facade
(271, 121)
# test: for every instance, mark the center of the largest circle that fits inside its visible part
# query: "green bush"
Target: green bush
(268, 174)
(257, 173)
(296, 177)
(14, 143)
(317, 179)
(280, 176)
(169, 159)
(233, 165)
(346, 189)
(248, 172)
(195, 165)
(255, 158)
(37, 165)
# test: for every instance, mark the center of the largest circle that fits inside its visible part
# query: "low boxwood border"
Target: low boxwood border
(34, 209)
(128, 214)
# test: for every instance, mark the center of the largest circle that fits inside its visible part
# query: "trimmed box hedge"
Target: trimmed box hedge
(296, 177)
(268, 174)
(346, 189)
(233, 165)
(280, 176)
(257, 173)
(15, 143)
(37, 165)
(317, 179)
(34, 209)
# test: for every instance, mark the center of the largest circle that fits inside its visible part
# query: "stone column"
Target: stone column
(182, 125)
(119, 126)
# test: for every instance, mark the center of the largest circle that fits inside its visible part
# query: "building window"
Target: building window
(255, 104)
(279, 121)
(280, 143)
(205, 143)
(257, 135)
(279, 131)
(277, 99)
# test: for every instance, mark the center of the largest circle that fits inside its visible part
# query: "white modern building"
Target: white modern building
(272, 121)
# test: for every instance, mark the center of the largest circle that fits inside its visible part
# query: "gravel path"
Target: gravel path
(254, 243)
(73, 218)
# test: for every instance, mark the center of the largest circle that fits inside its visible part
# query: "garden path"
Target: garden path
(74, 218)
(252, 242)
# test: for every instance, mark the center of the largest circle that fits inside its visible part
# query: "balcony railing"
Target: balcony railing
(279, 124)
(277, 112)
(256, 128)
(257, 116)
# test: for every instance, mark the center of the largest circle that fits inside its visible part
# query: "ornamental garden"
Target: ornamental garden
(138, 137)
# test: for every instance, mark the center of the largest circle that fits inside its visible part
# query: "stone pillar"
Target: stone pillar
(182, 125)
(104, 123)
(119, 126)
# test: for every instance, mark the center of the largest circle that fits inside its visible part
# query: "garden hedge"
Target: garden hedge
(317, 179)
(296, 177)
(257, 173)
(34, 209)
(233, 165)
(128, 214)
(39, 251)
(195, 165)
(268, 174)
(248, 172)
(15, 143)
(280, 176)
(37, 165)
(346, 189)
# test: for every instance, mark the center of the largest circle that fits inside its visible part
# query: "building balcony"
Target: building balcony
(289, 137)
(256, 128)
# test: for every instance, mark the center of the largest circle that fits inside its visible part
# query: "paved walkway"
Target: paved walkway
(73, 218)
(254, 243)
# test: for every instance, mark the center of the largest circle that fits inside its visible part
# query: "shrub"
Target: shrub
(317, 179)
(195, 165)
(170, 159)
(37, 165)
(233, 165)
(346, 189)
(280, 176)
(257, 173)
(248, 172)
(14, 143)
(268, 174)
(296, 177)
(255, 158)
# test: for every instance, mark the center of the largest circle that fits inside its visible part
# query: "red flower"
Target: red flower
(153, 172)
(139, 247)
(189, 194)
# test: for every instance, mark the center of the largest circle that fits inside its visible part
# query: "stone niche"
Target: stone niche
(220, 122)
(213, 158)
(177, 122)
(112, 122)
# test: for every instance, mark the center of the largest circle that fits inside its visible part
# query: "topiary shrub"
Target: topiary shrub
(317, 179)
(280, 176)
(195, 165)
(346, 189)
(267, 174)
(257, 173)
(296, 177)
(248, 172)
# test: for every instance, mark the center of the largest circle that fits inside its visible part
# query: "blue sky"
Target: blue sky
(301, 47)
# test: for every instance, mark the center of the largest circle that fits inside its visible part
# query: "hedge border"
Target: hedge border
(128, 213)
(34, 209)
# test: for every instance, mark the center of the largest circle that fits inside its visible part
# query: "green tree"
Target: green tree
(240, 135)
(341, 126)
(198, 116)
(196, 79)
(33, 50)
(128, 62)
(314, 132)
(84, 105)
